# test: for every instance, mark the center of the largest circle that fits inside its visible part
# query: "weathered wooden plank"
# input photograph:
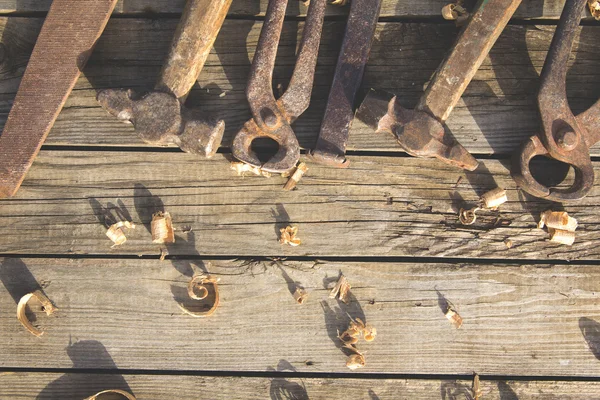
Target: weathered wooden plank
(43, 386)
(380, 206)
(518, 319)
(390, 8)
(496, 114)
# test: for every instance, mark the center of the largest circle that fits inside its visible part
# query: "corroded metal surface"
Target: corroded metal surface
(565, 137)
(159, 117)
(422, 132)
(64, 45)
(354, 54)
(271, 118)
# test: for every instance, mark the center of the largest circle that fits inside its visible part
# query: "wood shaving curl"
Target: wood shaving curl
(350, 337)
(296, 176)
(594, 6)
(240, 168)
(454, 318)
(162, 228)
(288, 236)
(123, 393)
(341, 290)
(116, 234)
(197, 290)
(47, 307)
(455, 12)
(477, 393)
(561, 226)
(300, 295)
(490, 200)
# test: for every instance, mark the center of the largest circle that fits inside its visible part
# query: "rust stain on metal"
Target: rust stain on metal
(159, 117)
(565, 137)
(271, 118)
(421, 132)
(360, 31)
(66, 40)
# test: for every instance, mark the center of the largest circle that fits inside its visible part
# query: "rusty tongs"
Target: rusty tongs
(565, 137)
(271, 118)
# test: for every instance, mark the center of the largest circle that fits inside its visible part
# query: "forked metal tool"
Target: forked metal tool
(564, 137)
(159, 117)
(271, 118)
(422, 131)
(63, 47)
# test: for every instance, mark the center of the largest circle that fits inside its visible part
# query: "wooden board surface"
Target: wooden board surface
(390, 8)
(379, 207)
(497, 112)
(20, 386)
(518, 319)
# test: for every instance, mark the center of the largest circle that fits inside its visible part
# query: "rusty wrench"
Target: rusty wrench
(159, 117)
(63, 47)
(421, 132)
(565, 137)
(354, 54)
(272, 118)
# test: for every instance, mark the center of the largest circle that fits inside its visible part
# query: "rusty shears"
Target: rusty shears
(271, 118)
(565, 137)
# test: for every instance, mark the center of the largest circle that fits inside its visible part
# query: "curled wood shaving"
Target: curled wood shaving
(296, 176)
(163, 254)
(123, 393)
(350, 337)
(341, 289)
(116, 234)
(561, 227)
(508, 243)
(197, 290)
(595, 8)
(240, 168)
(468, 217)
(300, 295)
(494, 198)
(455, 12)
(355, 361)
(162, 228)
(47, 307)
(453, 317)
(562, 236)
(288, 236)
(477, 393)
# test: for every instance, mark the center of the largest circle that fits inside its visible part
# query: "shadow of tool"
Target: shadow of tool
(86, 354)
(506, 393)
(283, 389)
(282, 219)
(590, 330)
(452, 390)
(373, 395)
(111, 214)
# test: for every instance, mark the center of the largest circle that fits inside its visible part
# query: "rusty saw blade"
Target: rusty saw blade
(63, 47)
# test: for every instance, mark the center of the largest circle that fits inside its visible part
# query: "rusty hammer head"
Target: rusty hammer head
(159, 119)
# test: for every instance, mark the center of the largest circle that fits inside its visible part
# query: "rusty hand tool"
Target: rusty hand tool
(421, 132)
(63, 47)
(272, 118)
(159, 117)
(360, 31)
(564, 137)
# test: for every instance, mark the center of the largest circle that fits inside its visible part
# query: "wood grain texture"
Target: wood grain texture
(497, 112)
(518, 319)
(42, 386)
(379, 206)
(248, 8)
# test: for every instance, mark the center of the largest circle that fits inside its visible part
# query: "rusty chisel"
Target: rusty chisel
(64, 45)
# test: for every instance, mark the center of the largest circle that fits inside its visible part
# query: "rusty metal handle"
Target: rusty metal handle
(296, 98)
(472, 47)
(196, 33)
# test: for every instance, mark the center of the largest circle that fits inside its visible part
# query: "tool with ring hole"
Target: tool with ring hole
(565, 137)
(159, 117)
(272, 118)
(422, 131)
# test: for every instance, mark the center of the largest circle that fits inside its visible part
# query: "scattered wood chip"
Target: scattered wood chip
(477, 393)
(162, 228)
(296, 176)
(468, 217)
(240, 168)
(123, 393)
(116, 234)
(508, 243)
(47, 307)
(494, 198)
(355, 361)
(561, 227)
(350, 337)
(300, 295)
(197, 290)
(288, 236)
(594, 8)
(341, 289)
(453, 317)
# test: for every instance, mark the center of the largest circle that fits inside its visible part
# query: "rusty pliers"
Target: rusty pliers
(271, 118)
(565, 137)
